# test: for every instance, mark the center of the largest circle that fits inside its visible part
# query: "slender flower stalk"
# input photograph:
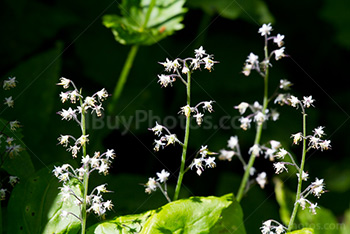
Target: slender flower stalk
(184, 147)
(243, 185)
(177, 68)
(301, 171)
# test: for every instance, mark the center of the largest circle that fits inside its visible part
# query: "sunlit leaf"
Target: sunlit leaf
(129, 28)
(35, 206)
(303, 231)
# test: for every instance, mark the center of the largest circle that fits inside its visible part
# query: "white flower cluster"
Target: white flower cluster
(99, 162)
(272, 227)
(187, 110)
(252, 62)
(165, 140)
(8, 146)
(94, 102)
(180, 66)
(153, 183)
(257, 114)
(233, 144)
(203, 161)
(316, 188)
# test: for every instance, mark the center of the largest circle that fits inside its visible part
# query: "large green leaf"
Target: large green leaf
(303, 231)
(129, 28)
(345, 228)
(35, 206)
(120, 225)
(19, 164)
(255, 10)
(188, 216)
(197, 215)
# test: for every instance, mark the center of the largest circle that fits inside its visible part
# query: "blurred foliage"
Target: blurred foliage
(43, 40)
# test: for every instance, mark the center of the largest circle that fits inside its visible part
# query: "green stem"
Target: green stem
(246, 175)
(122, 78)
(128, 64)
(184, 148)
(86, 175)
(296, 204)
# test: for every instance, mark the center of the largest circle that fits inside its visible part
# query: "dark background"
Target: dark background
(44, 40)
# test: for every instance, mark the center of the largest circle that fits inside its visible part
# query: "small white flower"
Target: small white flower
(74, 149)
(185, 70)
(197, 162)
(171, 139)
(209, 63)
(85, 160)
(297, 137)
(265, 29)
(304, 176)
(163, 176)
(279, 167)
(102, 94)
(207, 106)
(165, 80)
(275, 144)
(204, 151)
(247, 69)
(110, 154)
(279, 53)
(232, 142)
(226, 155)
(242, 107)
(199, 118)
(313, 208)
(186, 110)
(308, 101)
(57, 171)
(259, 117)
(280, 229)
(252, 59)
(158, 144)
(73, 96)
(314, 142)
(279, 40)
(103, 168)
(13, 180)
(65, 82)
(9, 83)
(324, 145)
(245, 122)
(199, 53)
(157, 129)
(285, 84)
(14, 125)
(64, 96)
(210, 162)
(195, 64)
(319, 131)
(89, 101)
(261, 179)
(101, 189)
(108, 205)
(168, 65)
(294, 101)
(274, 115)
(67, 114)
(151, 185)
(281, 153)
(9, 102)
(82, 140)
(302, 201)
(317, 187)
(255, 149)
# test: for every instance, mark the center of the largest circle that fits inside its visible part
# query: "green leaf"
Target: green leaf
(188, 216)
(120, 225)
(251, 10)
(285, 200)
(129, 28)
(18, 164)
(346, 226)
(197, 215)
(35, 206)
(303, 231)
